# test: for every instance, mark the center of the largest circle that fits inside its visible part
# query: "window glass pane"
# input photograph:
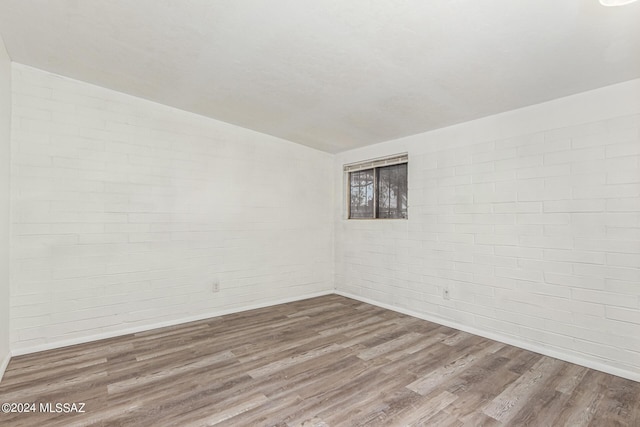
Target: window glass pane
(361, 194)
(392, 191)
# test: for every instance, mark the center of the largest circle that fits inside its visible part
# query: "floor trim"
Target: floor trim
(567, 357)
(120, 332)
(4, 364)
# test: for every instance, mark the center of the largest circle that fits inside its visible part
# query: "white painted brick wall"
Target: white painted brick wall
(5, 167)
(126, 211)
(530, 218)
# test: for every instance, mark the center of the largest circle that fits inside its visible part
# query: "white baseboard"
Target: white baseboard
(572, 358)
(4, 364)
(567, 357)
(95, 337)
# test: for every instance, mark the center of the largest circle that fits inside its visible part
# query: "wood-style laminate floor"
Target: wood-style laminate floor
(327, 361)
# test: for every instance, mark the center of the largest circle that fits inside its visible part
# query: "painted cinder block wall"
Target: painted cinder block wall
(530, 218)
(5, 167)
(125, 213)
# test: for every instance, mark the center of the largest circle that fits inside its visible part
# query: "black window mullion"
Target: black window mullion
(376, 177)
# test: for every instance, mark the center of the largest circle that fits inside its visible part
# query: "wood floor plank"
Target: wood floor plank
(507, 404)
(424, 415)
(434, 379)
(326, 361)
(389, 345)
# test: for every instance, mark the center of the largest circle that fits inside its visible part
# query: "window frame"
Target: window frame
(375, 165)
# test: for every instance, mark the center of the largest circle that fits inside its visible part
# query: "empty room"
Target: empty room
(319, 213)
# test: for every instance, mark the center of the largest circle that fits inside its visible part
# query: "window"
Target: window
(378, 188)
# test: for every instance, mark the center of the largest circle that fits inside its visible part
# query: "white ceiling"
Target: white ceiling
(331, 74)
